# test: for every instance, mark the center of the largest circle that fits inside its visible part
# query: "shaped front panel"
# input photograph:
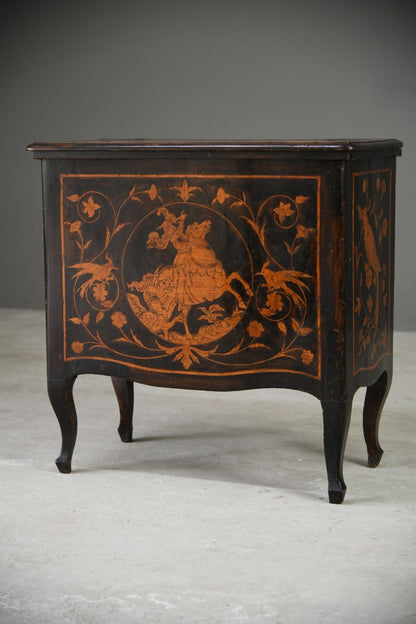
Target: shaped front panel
(200, 275)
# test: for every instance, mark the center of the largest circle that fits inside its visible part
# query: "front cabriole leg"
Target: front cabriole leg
(373, 405)
(336, 415)
(61, 397)
(125, 396)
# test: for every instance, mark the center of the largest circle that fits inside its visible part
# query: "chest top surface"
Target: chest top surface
(136, 148)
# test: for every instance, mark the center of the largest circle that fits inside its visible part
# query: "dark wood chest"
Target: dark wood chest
(222, 266)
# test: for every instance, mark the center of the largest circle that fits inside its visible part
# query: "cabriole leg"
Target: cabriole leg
(61, 398)
(125, 396)
(336, 415)
(373, 405)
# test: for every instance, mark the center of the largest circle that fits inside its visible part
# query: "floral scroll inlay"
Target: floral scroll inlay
(192, 273)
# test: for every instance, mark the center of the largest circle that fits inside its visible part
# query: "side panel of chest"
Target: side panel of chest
(372, 250)
(193, 274)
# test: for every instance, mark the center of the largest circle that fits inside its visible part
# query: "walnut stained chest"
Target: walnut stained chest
(222, 266)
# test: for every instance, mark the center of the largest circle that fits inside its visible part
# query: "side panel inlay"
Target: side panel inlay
(199, 275)
(371, 267)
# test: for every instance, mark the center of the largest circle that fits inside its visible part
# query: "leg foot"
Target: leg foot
(63, 466)
(374, 400)
(125, 396)
(336, 497)
(61, 398)
(337, 416)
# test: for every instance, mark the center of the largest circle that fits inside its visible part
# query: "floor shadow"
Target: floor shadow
(220, 434)
(264, 457)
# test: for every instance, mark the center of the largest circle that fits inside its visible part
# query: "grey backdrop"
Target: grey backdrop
(160, 69)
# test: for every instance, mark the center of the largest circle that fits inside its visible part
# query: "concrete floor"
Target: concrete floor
(216, 514)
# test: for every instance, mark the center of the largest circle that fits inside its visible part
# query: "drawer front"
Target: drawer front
(198, 275)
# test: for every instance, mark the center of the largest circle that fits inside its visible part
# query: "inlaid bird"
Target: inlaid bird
(283, 279)
(372, 258)
(98, 273)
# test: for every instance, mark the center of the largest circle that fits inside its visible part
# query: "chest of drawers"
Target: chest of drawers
(222, 266)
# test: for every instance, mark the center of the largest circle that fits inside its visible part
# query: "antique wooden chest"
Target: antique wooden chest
(222, 266)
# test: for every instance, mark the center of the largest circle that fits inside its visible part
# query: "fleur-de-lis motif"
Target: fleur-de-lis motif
(185, 191)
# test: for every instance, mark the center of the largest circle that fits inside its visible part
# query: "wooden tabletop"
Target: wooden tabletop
(133, 148)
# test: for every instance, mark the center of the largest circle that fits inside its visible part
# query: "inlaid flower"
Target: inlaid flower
(100, 291)
(90, 207)
(274, 302)
(302, 231)
(255, 329)
(75, 226)
(77, 346)
(222, 195)
(307, 356)
(283, 211)
(118, 319)
(152, 192)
